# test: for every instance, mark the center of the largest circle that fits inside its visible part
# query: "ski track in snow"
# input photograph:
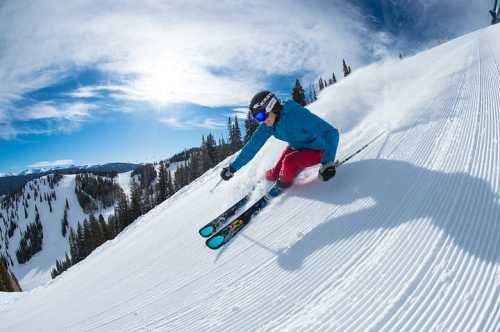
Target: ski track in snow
(405, 238)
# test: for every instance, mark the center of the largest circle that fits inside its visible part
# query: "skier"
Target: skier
(311, 141)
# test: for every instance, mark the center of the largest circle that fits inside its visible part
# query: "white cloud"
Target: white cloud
(46, 118)
(208, 123)
(50, 110)
(54, 163)
(241, 112)
(164, 52)
(7, 131)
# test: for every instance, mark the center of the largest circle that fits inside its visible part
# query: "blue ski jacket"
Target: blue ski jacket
(297, 126)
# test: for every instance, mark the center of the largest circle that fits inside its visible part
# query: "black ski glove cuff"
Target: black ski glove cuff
(327, 171)
(227, 173)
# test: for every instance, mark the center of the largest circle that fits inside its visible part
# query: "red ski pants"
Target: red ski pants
(291, 163)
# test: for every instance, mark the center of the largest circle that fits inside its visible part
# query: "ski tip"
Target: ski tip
(206, 231)
(215, 242)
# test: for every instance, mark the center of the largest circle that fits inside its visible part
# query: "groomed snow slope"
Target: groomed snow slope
(405, 238)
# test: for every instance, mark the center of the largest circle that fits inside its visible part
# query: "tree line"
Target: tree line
(299, 94)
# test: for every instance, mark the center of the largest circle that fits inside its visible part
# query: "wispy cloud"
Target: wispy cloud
(50, 110)
(165, 52)
(241, 112)
(208, 123)
(53, 163)
(45, 118)
(94, 91)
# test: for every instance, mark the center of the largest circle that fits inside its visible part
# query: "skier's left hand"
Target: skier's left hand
(227, 173)
(327, 171)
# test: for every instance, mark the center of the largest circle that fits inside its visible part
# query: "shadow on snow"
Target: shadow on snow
(464, 207)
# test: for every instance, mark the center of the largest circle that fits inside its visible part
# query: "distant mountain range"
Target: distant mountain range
(12, 182)
(38, 170)
(118, 167)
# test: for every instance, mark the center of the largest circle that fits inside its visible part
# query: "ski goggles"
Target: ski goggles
(260, 115)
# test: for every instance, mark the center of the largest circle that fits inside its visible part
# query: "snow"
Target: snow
(404, 238)
(173, 166)
(37, 270)
(123, 180)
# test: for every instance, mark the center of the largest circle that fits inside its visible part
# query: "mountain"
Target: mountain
(71, 212)
(109, 167)
(7, 174)
(39, 170)
(9, 184)
(35, 215)
(404, 238)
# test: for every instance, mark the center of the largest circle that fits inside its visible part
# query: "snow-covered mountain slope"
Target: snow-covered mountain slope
(405, 238)
(22, 211)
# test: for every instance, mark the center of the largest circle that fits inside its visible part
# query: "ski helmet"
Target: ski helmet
(261, 104)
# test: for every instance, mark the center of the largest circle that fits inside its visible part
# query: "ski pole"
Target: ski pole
(216, 185)
(361, 149)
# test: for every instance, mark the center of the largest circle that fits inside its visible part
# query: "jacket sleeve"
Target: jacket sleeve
(327, 135)
(253, 146)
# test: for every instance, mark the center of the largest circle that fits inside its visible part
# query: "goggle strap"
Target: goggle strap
(270, 105)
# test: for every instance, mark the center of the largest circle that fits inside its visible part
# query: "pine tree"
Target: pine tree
(229, 129)
(114, 226)
(64, 223)
(170, 184)
(209, 153)
(73, 246)
(88, 242)
(321, 84)
(136, 203)
(195, 166)
(223, 149)
(495, 13)
(298, 93)
(235, 136)
(80, 244)
(104, 228)
(250, 126)
(122, 212)
(334, 79)
(97, 236)
(162, 183)
(347, 69)
(8, 282)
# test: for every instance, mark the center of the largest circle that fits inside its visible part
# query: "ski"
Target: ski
(214, 225)
(230, 230)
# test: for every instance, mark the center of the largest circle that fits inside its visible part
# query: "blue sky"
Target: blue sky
(89, 82)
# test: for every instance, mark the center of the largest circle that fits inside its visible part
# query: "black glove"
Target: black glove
(327, 171)
(227, 173)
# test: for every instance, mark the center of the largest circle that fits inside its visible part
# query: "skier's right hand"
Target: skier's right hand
(227, 173)
(328, 170)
